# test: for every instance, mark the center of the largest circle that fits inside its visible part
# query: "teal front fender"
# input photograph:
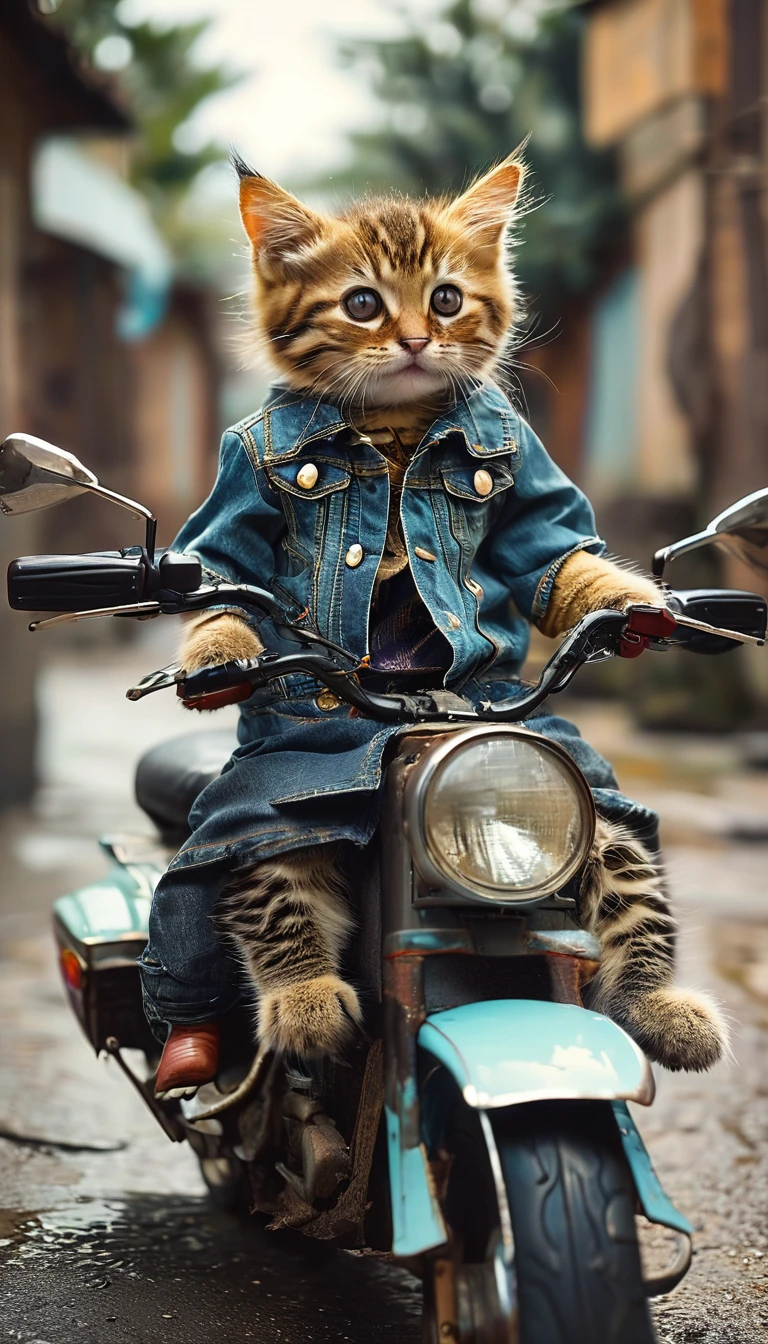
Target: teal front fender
(508, 1051)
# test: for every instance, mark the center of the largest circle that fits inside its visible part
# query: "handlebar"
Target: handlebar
(175, 585)
(598, 636)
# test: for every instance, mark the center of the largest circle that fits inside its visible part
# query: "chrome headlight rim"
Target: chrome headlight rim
(416, 799)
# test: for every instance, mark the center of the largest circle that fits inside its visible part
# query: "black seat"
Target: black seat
(171, 775)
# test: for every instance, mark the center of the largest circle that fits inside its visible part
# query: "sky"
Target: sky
(288, 115)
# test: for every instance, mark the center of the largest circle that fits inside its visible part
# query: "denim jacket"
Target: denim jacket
(300, 507)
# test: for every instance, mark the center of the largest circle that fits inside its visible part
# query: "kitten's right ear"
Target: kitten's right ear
(279, 227)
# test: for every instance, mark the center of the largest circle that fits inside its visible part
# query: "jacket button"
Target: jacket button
(454, 621)
(422, 554)
(475, 588)
(483, 482)
(327, 700)
(354, 555)
(307, 476)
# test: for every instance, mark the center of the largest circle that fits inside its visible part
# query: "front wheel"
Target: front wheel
(572, 1201)
(575, 1276)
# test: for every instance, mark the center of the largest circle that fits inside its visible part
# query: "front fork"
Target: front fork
(418, 1223)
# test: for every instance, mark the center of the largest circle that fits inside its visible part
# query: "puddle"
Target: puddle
(146, 1269)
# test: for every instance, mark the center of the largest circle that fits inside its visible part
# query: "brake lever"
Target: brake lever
(171, 675)
(707, 629)
(646, 624)
(142, 610)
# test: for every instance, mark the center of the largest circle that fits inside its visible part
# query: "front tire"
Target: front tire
(572, 1202)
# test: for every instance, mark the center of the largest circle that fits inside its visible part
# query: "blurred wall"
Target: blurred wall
(678, 88)
(142, 413)
(31, 102)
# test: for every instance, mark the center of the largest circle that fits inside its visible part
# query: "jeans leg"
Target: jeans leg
(187, 975)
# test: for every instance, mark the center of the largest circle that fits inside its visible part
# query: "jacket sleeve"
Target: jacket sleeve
(234, 533)
(546, 519)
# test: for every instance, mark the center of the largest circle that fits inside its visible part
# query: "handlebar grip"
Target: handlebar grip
(76, 582)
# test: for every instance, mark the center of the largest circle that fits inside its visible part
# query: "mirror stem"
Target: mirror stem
(150, 539)
(662, 558)
(138, 510)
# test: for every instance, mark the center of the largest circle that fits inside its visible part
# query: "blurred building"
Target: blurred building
(101, 350)
(677, 422)
(679, 401)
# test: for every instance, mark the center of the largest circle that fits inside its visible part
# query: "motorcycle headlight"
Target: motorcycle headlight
(499, 813)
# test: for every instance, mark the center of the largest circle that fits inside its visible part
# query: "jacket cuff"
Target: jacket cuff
(595, 545)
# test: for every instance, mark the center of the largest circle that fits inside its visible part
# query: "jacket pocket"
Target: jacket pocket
(474, 493)
(328, 477)
(480, 480)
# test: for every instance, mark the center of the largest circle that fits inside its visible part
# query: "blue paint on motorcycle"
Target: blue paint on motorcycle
(417, 1223)
(657, 1206)
(514, 1050)
(112, 910)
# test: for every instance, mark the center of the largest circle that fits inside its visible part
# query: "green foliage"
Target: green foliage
(462, 91)
(162, 85)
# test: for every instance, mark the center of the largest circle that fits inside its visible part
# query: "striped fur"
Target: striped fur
(591, 583)
(305, 262)
(624, 904)
(289, 921)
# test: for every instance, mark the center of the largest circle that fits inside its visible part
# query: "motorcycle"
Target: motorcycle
(477, 1128)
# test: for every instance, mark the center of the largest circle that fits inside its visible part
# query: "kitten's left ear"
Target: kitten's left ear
(486, 207)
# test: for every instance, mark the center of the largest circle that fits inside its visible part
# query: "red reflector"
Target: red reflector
(654, 622)
(71, 969)
(231, 695)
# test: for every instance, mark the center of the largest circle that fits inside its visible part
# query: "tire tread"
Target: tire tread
(571, 1199)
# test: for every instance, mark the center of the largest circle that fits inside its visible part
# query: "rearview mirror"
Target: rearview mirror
(34, 474)
(741, 529)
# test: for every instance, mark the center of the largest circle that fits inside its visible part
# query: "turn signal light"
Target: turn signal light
(71, 969)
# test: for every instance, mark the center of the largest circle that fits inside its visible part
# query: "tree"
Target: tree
(462, 91)
(163, 85)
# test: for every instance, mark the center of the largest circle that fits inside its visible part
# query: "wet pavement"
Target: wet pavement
(106, 1235)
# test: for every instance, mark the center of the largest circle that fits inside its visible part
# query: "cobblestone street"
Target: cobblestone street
(105, 1233)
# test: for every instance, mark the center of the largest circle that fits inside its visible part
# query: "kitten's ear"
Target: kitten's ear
(486, 207)
(278, 225)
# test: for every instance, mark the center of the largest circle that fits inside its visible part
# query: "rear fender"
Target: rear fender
(100, 931)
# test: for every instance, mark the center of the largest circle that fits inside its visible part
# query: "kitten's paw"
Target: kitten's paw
(218, 639)
(678, 1028)
(310, 1018)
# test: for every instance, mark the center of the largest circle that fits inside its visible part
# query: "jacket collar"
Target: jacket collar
(484, 419)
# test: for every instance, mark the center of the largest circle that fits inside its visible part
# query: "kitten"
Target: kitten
(442, 267)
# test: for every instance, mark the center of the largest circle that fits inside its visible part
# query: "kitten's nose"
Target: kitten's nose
(414, 344)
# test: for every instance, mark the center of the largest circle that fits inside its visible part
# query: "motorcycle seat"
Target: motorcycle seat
(170, 776)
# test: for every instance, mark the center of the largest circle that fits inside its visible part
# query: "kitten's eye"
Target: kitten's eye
(447, 300)
(362, 304)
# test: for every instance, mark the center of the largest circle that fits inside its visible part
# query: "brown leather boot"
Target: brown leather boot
(190, 1058)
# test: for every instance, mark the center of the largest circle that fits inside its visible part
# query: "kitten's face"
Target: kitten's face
(392, 302)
